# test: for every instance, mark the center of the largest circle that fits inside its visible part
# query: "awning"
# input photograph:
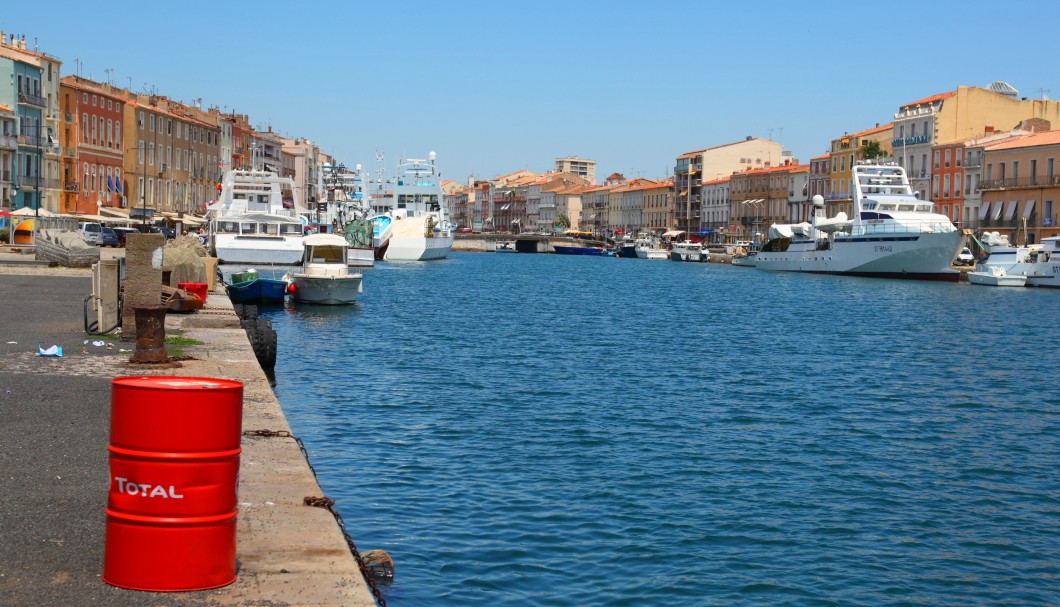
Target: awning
(983, 210)
(1010, 210)
(996, 214)
(114, 212)
(705, 232)
(673, 233)
(1028, 209)
(141, 212)
(505, 207)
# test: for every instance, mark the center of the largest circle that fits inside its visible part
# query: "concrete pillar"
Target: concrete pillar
(143, 277)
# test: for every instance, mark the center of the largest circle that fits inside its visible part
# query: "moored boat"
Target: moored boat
(250, 224)
(996, 276)
(416, 228)
(893, 234)
(325, 276)
(251, 288)
(650, 248)
(1039, 263)
(688, 251)
(569, 250)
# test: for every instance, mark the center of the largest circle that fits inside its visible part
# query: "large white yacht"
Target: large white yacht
(893, 234)
(416, 227)
(249, 223)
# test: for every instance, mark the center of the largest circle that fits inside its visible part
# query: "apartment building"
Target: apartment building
(1020, 187)
(762, 197)
(29, 89)
(955, 116)
(692, 168)
(818, 183)
(714, 214)
(586, 169)
(93, 159)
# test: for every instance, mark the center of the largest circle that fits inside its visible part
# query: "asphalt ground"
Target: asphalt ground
(54, 426)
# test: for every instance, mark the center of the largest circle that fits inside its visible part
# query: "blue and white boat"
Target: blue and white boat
(251, 288)
(416, 227)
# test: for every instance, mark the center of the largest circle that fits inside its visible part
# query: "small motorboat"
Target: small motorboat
(325, 277)
(997, 276)
(250, 288)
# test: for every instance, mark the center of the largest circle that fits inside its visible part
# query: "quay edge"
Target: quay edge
(57, 433)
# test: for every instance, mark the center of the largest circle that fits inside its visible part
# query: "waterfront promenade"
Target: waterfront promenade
(53, 452)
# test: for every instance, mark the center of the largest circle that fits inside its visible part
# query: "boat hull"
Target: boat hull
(407, 239)
(326, 290)
(361, 257)
(563, 250)
(990, 279)
(925, 256)
(257, 291)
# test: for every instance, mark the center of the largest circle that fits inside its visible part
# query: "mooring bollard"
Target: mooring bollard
(150, 335)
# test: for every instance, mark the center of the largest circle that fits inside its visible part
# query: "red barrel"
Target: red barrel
(174, 478)
(196, 288)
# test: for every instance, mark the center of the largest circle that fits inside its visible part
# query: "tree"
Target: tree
(562, 221)
(871, 150)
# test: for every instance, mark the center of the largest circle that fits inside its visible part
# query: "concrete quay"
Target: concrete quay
(53, 457)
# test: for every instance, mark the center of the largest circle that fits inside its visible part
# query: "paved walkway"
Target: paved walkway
(54, 424)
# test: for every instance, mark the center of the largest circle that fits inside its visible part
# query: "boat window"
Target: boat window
(887, 207)
(248, 228)
(270, 228)
(326, 254)
(228, 226)
(291, 228)
(906, 207)
(869, 205)
(924, 208)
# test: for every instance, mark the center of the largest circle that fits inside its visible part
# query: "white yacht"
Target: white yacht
(249, 223)
(1039, 263)
(688, 251)
(416, 227)
(893, 234)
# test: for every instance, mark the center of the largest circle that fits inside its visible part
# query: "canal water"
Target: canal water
(519, 429)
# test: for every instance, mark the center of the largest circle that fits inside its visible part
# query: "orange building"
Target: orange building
(1021, 187)
(91, 136)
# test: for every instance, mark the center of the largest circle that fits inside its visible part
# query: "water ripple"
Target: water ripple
(542, 430)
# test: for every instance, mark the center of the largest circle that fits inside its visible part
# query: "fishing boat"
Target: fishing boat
(688, 251)
(348, 212)
(325, 276)
(650, 248)
(893, 234)
(746, 260)
(251, 288)
(1039, 263)
(416, 227)
(250, 224)
(996, 276)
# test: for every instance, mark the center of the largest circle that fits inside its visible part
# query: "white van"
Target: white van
(91, 232)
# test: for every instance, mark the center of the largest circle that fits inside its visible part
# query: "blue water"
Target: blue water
(519, 429)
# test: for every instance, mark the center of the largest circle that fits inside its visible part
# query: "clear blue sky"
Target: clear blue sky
(494, 87)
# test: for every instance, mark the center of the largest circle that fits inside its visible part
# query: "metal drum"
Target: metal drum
(174, 476)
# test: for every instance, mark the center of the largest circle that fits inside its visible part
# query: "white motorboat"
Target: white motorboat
(249, 223)
(893, 234)
(650, 248)
(688, 251)
(996, 276)
(504, 246)
(1039, 263)
(416, 228)
(325, 277)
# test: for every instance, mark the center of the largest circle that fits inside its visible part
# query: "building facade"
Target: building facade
(586, 169)
(93, 145)
(1020, 187)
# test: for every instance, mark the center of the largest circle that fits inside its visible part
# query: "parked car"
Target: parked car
(123, 232)
(90, 231)
(108, 238)
(964, 258)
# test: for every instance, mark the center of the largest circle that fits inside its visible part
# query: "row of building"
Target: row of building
(72, 145)
(984, 155)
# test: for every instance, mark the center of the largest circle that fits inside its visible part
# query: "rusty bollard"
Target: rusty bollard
(150, 335)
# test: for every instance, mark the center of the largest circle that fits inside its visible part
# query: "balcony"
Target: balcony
(70, 152)
(71, 186)
(30, 99)
(29, 182)
(1019, 182)
(8, 142)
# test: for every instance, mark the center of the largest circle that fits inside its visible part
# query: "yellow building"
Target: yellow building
(845, 151)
